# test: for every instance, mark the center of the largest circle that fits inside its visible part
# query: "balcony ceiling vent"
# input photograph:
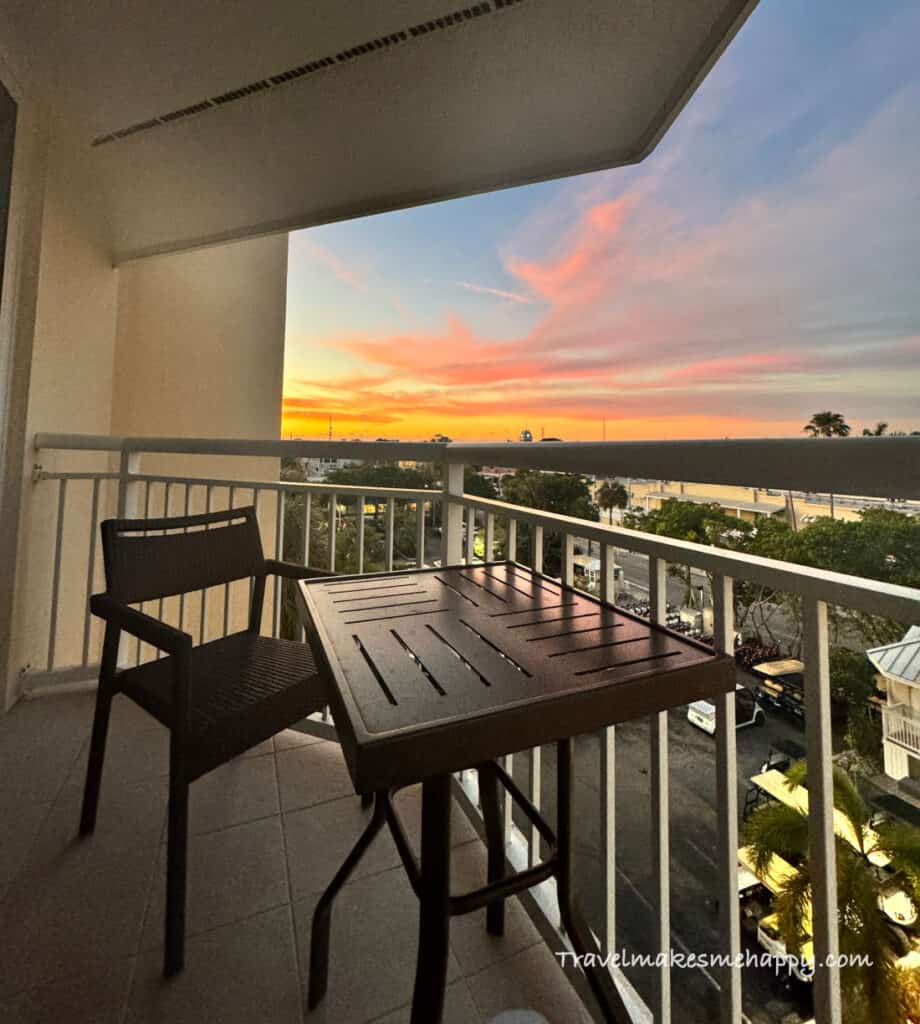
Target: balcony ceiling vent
(283, 78)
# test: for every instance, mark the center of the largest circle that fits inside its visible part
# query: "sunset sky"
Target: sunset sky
(762, 264)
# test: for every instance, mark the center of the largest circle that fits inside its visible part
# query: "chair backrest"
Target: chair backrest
(152, 558)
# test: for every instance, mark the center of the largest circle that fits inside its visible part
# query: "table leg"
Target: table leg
(576, 928)
(495, 842)
(434, 909)
(322, 915)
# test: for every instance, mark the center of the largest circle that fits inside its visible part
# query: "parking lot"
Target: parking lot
(767, 998)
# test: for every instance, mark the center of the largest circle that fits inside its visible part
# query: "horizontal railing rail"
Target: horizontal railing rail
(469, 530)
(883, 467)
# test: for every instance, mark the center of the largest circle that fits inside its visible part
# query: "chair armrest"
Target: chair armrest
(292, 571)
(145, 627)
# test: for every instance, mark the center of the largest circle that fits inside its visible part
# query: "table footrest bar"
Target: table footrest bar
(476, 899)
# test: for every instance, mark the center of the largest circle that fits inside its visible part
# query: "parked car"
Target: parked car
(702, 713)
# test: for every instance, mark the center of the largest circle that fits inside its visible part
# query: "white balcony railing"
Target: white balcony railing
(901, 725)
(128, 490)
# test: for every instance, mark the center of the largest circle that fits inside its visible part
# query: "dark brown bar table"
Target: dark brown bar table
(437, 670)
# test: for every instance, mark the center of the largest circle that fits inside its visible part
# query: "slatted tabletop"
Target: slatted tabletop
(436, 670)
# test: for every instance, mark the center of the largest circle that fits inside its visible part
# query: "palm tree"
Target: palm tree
(827, 424)
(611, 495)
(882, 991)
(881, 428)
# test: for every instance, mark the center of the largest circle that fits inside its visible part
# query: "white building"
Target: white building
(900, 665)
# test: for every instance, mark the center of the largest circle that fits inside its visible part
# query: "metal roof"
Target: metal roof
(900, 661)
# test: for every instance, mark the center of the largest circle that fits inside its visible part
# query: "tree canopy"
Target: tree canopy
(827, 424)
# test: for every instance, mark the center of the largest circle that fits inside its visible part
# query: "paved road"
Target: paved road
(694, 878)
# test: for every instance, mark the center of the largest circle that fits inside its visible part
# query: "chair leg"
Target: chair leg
(322, 915)
(176, 867)
(96, 758)
(495, 842)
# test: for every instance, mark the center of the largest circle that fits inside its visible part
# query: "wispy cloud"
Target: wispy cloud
(663, 304)
(497, 292)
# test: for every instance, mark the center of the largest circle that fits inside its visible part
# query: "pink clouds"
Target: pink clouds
(570, 278)
(669, 307)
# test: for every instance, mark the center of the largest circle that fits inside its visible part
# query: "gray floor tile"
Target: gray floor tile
(408, 803)
(97, 997)
(46, 726)
(243, 973)
(372, 952)
(130, 815)
(311, 775)
(531, 980)
(475, 949)
(290, 738)
(232, 874)
(131, 755)
(18, 828)
(459, 1008)
(319, 838)
(241, 790)
(71, 916)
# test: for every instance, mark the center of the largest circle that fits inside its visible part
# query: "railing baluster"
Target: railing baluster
(537, 554)
(140, 646)
(489, 540)
(389, 525)
(452, 515)
(512, 540)
(204, 591)
(161, 605)
(56, 573)
(90, 569)
(231, 493)
(188, 488)
(727, 809)
(470, 535)
(536, 788)
(661, 998)
(420, 533)
(333, 513)
(608, 586)
(307, 522)
(822, 855)
(508, 806)
(568, 559)
(279, 555)
(359, 512)
(607, 740)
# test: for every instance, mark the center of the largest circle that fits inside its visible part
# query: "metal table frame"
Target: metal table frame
(491, 701)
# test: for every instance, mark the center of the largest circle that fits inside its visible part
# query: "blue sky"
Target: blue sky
(760, 265)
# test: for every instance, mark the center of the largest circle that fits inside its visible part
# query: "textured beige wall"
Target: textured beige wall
(200, 353)
(185, 345)
(69, 389)
(201, 343)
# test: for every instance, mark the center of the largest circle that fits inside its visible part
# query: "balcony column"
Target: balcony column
(452, 515)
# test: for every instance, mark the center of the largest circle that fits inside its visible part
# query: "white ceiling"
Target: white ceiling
(534, 90)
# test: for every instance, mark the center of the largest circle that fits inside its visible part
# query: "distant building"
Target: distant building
(526, 435)
(898, 667)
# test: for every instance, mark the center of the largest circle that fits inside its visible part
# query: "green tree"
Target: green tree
(881, 990)
(879, 430)
(699, 523)
(564, 493)
(610, 495)
(827, 424)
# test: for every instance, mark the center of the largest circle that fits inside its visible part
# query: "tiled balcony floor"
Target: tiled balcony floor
(81, 921)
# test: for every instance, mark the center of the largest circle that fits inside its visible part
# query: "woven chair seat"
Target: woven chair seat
(242, 687)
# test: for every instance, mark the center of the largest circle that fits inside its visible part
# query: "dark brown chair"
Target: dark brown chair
(217, 699)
